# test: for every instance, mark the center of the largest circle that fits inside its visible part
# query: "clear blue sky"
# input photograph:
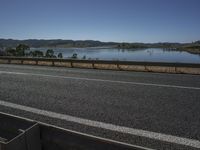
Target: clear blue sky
(105, 20)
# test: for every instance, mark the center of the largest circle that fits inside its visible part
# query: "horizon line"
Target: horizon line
(25, 39)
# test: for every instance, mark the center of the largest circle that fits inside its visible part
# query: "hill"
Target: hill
(54, 43)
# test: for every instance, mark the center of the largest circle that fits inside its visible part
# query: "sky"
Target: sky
(104, 20)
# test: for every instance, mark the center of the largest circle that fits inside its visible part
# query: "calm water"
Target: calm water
(150, 54)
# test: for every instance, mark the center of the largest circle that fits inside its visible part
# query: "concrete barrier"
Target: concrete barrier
(162, 69)
(45, 63)
(132, 67)
(16, 62)
(82, 65)
(187, 70)
(62, 64)
(106, 66)
(111, 65)
(29, 62)
(4, 61)
(22, 134)
(19, 134)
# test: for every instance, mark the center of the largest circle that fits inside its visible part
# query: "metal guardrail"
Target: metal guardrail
(164, 67)
(21, 134)
(142, 63)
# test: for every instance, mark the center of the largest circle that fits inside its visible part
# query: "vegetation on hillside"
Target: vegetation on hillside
(191, 48)
(54, 43)
(23, 50)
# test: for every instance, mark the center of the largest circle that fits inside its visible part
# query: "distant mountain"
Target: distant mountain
(87, 43)
(54, 43)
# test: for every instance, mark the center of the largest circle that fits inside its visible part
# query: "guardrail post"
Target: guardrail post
(118, 66)
(145, 68)
(71, 64)
(36, 62)
(93, 65)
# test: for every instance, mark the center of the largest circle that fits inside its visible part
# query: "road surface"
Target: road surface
(158, 111)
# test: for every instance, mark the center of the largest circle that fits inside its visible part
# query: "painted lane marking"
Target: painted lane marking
(107, 126)
(76, 132)
(49, 68)
(102, 80)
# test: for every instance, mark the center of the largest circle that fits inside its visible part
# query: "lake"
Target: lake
(149, 54)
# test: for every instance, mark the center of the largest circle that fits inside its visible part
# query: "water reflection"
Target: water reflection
(150, 54)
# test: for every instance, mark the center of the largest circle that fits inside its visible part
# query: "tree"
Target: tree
(1, 46)
(21, 48)
(39, 54)
(197, 42)
(74, 56)
(84, 57)
(36, 53)
(60, 55)
(2, 53)
(10, 52)
(50, 53)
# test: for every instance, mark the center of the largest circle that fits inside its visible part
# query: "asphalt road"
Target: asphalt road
(159, 111)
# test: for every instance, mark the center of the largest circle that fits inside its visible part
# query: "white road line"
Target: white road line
(107, 126)
(48, 68)
(76, 132)
(102, 80)
(83, 70)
